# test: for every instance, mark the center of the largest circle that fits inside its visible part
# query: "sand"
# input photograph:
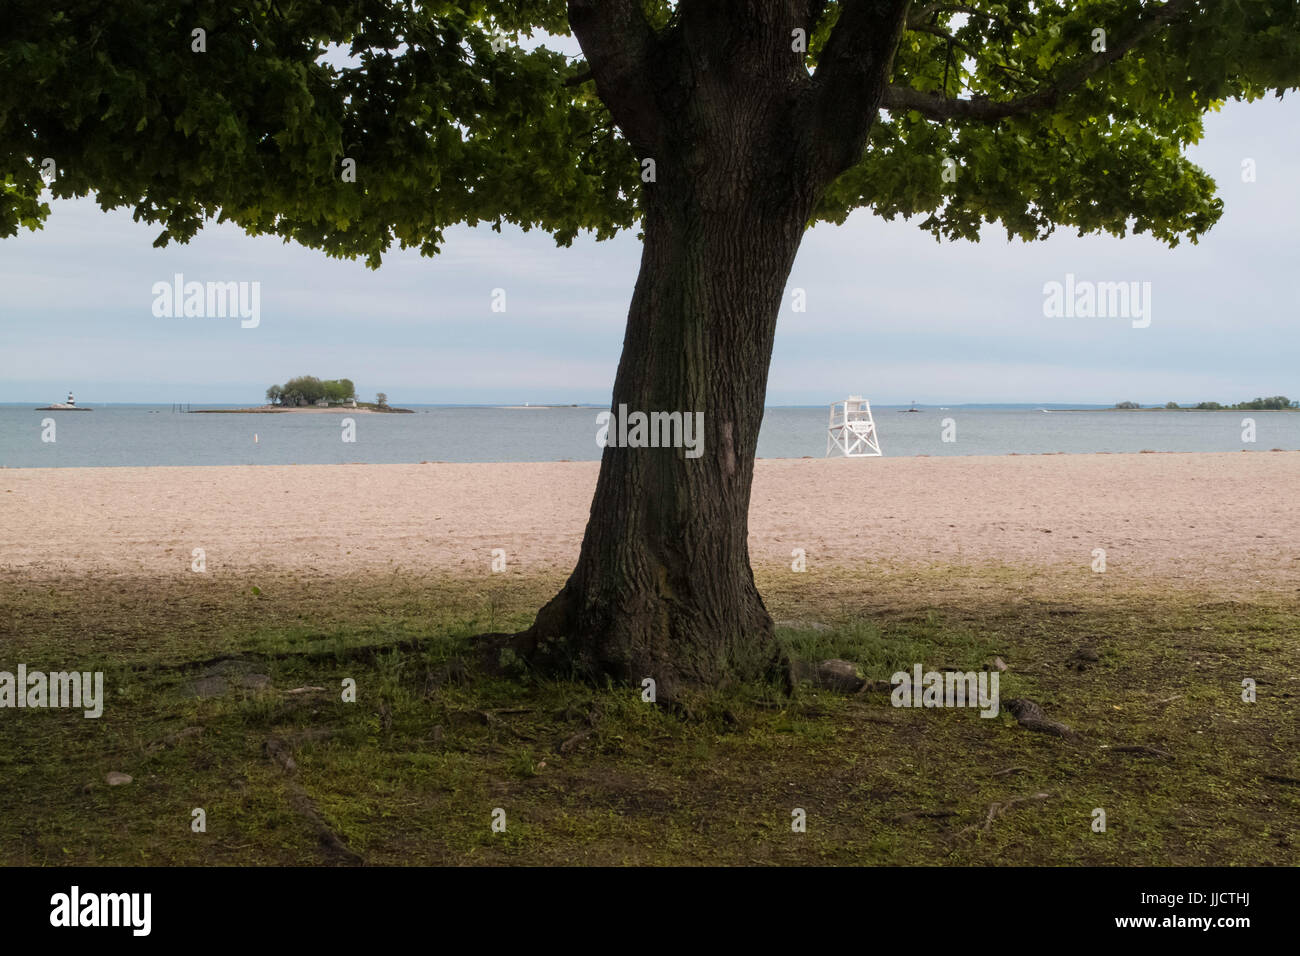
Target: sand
(1218, 522)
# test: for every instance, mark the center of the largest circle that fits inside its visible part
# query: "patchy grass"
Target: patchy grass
(412, 772)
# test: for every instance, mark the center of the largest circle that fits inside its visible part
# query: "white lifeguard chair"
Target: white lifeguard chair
(852, 429)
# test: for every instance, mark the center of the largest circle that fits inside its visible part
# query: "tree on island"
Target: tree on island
(308, 390)
(721, 129)
(381, 400)
(1276, 403)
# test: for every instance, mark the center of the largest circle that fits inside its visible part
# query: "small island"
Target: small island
(307, 393)
(69, 406)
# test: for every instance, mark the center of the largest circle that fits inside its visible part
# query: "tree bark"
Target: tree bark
(663, 586)
(744, 141)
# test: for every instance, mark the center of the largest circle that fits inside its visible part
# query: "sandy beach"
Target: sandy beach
(1219, 522)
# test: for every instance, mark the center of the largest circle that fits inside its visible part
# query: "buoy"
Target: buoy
(254, 438)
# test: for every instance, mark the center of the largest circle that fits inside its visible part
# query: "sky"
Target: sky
(890, 313)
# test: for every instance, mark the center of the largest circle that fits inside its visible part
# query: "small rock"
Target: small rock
(254, 682)
(115, 778)
(999, 664)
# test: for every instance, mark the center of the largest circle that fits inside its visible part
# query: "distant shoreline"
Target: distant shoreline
(1161, 408)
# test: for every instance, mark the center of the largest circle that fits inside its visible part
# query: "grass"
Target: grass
(412, 772)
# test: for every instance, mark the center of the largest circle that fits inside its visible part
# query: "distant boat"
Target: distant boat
(912, 409)
(69, 406)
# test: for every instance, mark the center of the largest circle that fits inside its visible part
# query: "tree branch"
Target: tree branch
(619, 45)
(852, 73)
(944, 35)
(937, 107)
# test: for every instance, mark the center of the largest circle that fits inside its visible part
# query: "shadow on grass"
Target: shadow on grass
(232, 702)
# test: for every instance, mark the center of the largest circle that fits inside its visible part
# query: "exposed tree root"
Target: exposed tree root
(570, 743)
(361, 651)
(834, 674)
(1029, 715)
(280, 752)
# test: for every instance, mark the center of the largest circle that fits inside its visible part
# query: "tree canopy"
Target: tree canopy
(1070, 114)
(1273, 403)
(308, 389)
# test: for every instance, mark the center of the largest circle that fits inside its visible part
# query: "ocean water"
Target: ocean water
(155, 435)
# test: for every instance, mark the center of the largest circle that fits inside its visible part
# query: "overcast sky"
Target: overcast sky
(891, 314)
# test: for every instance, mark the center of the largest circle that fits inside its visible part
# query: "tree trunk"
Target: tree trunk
(744, 141)
(663, 586)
